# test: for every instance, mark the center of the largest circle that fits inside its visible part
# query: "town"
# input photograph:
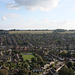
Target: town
(47, 56)
(37, 37)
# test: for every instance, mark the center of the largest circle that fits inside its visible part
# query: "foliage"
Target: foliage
(3, 72)
(34, 59)
(69, 64)
(23, 72)
(67, 71)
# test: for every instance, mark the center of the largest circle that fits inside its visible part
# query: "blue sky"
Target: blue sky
(37, 14)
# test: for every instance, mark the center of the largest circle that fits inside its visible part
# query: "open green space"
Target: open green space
(38, 32)
(27, 56)
(30, 32)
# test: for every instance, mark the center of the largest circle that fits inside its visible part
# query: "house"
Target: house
(5, 58)
(37, 70)
(52, 62)
(71, 59)
(5, 68)
(54, 71)
(17, 57)
(1, 53)
(45, 66)
(48, 64)
(14, 71)
(0, 67)
(60, 58)
(10, 51)
(59, 67)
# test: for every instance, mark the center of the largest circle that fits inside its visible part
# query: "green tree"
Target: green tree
(34, 59)
(30, 73)
(71, 72)
(23, 72)
(3, 72)
(69, 64)
(26, 65)
(64, 71)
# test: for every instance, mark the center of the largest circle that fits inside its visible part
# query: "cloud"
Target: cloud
(73, 8)
(43, 5)
(4, 18)
(45, 24)
(21, 23)
(10, 16)
(11, 6)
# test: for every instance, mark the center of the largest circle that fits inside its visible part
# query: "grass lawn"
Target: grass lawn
(27, 57)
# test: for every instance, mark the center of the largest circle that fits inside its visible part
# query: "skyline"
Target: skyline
(37, 14)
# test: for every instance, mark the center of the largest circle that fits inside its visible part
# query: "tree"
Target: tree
(69, 64)
(3, 72)
(71, 72)
(41, 63)
(64, 71)
(39, 58)
(23, 72)
(74, 64)
(26, 65)
(34, 59)
(30, 73)
(63, 53)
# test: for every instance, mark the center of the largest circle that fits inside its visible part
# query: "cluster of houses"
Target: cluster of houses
(72, 52)
(6, 55)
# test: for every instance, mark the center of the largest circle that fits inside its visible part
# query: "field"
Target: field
(29, 32)
(27, 56)
(38, 32)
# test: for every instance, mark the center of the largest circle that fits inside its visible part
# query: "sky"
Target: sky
(37, 14)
